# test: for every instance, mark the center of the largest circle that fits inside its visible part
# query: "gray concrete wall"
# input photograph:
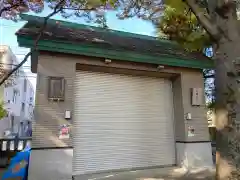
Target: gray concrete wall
(192, 151)
(50, 115)
(194, 155)
(51, 164)
(199, 113)
(180, 133)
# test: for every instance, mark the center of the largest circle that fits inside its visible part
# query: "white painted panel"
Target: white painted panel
(50, 164)
(194, 155)
(121, 122)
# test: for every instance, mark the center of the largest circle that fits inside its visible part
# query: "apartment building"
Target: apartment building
(18, 98)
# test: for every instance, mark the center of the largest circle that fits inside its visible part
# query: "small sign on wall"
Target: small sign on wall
(64, 131)
(197, 96)
(67, 114)
(191, 131)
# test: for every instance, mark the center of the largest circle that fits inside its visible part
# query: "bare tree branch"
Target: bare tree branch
(8, 8)
(57, 9)
(204, 19)
(79, 9)
(209, 76)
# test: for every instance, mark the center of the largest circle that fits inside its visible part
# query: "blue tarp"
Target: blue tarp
(18, 166)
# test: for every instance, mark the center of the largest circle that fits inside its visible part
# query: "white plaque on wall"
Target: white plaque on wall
(191, 131)
(197, 96)
(67, 114)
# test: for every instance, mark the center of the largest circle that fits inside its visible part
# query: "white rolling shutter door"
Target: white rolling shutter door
(121, 121)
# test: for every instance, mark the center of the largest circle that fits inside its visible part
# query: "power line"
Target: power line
(16, 49)
(23, 74)
(27, 76)
(19, 48)
(10, 64)
(23, 77)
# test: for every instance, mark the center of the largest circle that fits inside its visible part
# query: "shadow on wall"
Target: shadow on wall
(57, 163)
(46, 126)
(168, 173)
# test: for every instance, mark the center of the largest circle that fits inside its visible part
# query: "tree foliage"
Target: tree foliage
(173, 18)
(3, 112)
(182, 26)
(91, 10)
(9, 9)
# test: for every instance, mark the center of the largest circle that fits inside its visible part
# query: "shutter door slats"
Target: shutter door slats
(121, 122)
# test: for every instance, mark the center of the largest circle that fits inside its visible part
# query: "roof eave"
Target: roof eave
(94, 51)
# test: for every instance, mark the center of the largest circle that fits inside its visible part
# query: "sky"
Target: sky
(8, 29)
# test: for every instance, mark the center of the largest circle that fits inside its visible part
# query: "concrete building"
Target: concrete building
(17, 96)
(113, 101)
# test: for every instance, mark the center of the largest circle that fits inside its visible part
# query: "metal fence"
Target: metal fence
(16, 144)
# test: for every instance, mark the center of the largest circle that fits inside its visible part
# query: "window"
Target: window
(30, 100)
(56, 88)
(12, 123)
(17, 73)
(25, 85)
(15, 93)
(23, 107)
(21, 129)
